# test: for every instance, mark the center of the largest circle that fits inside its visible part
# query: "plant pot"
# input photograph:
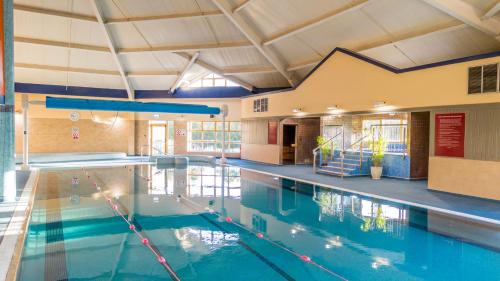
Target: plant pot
(376, 172)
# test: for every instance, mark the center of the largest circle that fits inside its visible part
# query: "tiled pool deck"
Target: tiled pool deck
(405, 191)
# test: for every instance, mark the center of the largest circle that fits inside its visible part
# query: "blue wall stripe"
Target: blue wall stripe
(129, 106)
(70, 90)
(214, 92)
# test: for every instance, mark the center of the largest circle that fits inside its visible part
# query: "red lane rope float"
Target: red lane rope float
(132, 227)
(259, 235)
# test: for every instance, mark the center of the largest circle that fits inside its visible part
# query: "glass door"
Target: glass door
(158, 141)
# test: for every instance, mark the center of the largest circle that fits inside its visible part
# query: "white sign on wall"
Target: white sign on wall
(180, 132)
(75, 133)
(74, 116)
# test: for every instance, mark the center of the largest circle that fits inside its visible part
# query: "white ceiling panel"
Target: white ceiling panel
(67, 78)
(73, 6)
(263, 80)
(444, 46)
(271, 17)
(233, 57)
(152, 82)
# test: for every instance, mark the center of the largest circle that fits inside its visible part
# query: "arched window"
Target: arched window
(212, 80)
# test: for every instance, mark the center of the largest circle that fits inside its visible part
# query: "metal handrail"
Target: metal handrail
(360, 140)
(405, 136)
(330, 140)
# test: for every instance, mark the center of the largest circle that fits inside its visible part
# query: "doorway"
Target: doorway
(419, 144)
(289, 144)
(161, 139)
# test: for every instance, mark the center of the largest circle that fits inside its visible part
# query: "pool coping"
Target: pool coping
(12, 246)
(414, 204)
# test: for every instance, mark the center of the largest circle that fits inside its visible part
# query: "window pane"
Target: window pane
(235, 126)
(196, 146)
(196, 136)
(195, 125)
(209, 136)
(234, 136)
(219, 126)
(209, 147)
(490, 75)
(208, 126)
(207, 83)
(475, 80)
(219, 136)
(234, 147)
(220, 82)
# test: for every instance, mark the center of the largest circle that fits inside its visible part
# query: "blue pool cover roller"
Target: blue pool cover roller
(129, 106)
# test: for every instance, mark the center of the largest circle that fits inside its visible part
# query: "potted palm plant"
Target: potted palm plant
(378, 150)
(325, 149)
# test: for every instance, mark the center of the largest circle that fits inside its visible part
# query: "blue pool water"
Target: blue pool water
(277, 225)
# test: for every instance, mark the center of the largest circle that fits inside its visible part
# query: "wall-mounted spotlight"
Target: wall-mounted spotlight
(335, 109)
(382, 106)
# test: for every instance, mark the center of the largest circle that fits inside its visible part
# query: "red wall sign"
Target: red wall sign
(272, 132)
(450, 134)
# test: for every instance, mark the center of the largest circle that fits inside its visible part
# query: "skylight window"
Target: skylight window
(212, 80)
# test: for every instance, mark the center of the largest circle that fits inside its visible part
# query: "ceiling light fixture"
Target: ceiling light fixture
(297, 110)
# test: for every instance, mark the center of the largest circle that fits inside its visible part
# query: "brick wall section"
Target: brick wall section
(141, 136)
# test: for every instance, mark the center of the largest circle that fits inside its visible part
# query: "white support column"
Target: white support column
(25, 104)
(224, 112)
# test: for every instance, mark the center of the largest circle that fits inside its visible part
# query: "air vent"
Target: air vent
(483, 79)
(260, 105)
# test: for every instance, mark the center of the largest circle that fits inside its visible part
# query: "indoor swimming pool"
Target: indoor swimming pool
(202, 222)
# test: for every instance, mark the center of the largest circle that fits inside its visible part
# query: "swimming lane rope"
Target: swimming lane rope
(145, 241)
(260, 235)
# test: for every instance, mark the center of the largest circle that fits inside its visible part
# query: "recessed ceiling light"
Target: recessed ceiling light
(379, 104)
(156, 116)
(296, 110)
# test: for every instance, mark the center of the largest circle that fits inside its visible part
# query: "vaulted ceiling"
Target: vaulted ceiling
(159, 44)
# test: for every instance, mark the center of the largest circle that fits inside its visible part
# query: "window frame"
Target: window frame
(229, 129)
(482, 79)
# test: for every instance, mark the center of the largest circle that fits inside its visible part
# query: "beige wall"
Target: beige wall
(255, 145)
(463, 176)
(482, 130)
(50, 130)
(55, 135)
(478, 173)
(254, 142)
(355, 86)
